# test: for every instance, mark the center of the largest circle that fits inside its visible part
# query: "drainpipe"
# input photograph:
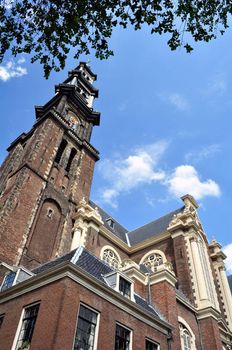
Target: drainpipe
(169, 340)
(149, 288)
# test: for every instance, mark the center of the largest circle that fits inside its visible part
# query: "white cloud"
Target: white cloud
(217, 86)
(185, 179)
(179, 101)
(228, 251)
(12, 70)
(125, 174)
(202, 154)
(142, 167)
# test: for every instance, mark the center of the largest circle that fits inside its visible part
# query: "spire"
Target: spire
(82, 78)
(73, 101)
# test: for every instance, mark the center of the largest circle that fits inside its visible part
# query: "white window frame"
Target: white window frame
(129, 329)
(15, 279)
(20, 324)
(17, 270)
(153, 252)
(125, 277)
(108, 247)
(97, 324)
(152, 341)
(192, 335)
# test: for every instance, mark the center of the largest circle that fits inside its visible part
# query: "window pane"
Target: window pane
(122, 338)
(151, 346)
(86, 328)
(8, 281)
(28, 325)
(125, 287)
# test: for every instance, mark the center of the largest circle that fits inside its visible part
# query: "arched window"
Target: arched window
(186, 336)
(60, 151)
(71, 157)
(153, 259)
(111, 257)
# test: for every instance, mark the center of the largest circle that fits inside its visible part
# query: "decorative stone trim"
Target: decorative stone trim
(110, 256)
(163, 274)
(84, 217)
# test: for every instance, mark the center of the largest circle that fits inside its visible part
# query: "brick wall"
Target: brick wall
(56, 321)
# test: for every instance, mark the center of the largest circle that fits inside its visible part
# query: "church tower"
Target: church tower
(47, 172)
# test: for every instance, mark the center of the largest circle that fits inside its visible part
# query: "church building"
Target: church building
(71, 276)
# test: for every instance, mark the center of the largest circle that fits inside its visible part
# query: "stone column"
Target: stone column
(226, 293)
(199, 273)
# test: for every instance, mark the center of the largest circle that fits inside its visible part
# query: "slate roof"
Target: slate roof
(96, 268)
(230, 282)
(153, 228)
(118, 229)
(53, 263)
(140, 234)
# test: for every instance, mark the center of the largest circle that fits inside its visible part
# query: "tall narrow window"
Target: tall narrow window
(60, 151)
(122, 338)
(187, 341)
(86, 329)
(124, 287)
(27, 327)
(71, 157)
(150, 345)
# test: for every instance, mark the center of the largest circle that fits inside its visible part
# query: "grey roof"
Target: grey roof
(153, 228)
(93, 265)
(145, 269)
(53, 263)
(230, 282)
(140, 234)
(96, 268)
(118, 229)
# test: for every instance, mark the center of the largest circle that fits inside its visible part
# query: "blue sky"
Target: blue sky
(165, 126)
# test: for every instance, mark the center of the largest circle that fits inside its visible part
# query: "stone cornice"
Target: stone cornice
(69, 270)
(186, 303)
(134, 272)
(76, 100)
(208, 312)
(163, 275)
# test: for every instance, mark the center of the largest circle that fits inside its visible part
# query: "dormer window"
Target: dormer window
(121, 283)
(8, 280)
(110, 222)
(15, 276)
(124, 287)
